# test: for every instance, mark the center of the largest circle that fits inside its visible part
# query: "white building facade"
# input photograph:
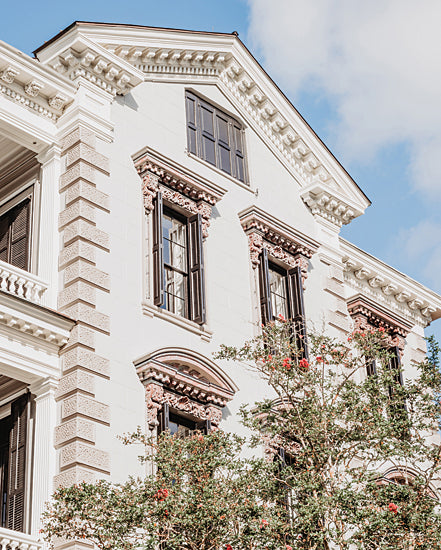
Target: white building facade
(159, 196)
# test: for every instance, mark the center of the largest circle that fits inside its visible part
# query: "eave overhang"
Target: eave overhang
(36, 87)
(388, 287)
(223, 60)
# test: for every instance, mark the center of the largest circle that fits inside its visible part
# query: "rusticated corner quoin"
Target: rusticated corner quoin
(83, 244)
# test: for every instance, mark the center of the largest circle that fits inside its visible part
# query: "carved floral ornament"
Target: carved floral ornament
(281, 241)
(186, 384)
(367, 316)
(177, 188)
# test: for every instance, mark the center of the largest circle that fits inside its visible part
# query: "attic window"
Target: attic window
(215, 137)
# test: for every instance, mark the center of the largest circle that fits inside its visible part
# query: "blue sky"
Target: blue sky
(360, 73)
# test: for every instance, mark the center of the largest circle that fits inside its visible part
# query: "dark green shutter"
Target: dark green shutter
(264, 288)
(164, 418)
(297, 309)
(17, 463)
(196, 270)
(15, 235)
(158, 255)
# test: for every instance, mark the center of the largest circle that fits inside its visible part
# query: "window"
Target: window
(215, 137)
(178, 270)
(281, 293)
(13, 441)
(15, 235)
(182, 425)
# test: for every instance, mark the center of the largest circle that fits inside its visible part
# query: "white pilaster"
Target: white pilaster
(48, 245)
(44, 451)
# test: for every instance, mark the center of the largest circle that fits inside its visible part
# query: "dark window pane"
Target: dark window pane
(207, 120)
(191, 110)
(209, 150)
(238, 139)
(224, 159)
(279, 300)
(240, 175)
(223, 130)
(192, 141)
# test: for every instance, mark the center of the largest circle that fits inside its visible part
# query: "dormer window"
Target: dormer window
(215, 137)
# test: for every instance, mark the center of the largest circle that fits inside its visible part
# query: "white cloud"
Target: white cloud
(379, 63)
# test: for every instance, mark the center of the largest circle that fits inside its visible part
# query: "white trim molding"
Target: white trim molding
(389, 288)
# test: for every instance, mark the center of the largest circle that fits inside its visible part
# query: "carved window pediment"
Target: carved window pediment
(283, 243)
(186, 382)
(180, 187)
(366, 315)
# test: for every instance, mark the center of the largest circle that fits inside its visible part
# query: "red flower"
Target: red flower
(393, 508)
(286, 363)
(288, 547)
(161, 494)
(319, 358)
(303, 364)
(228, 547)
(263, 523)
(381, 329)
(281, 317)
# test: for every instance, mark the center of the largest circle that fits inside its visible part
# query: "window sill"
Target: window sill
(221, 172)
(154, 311)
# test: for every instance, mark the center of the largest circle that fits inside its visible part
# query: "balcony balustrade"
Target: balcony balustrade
(21, 283)
(14, 540)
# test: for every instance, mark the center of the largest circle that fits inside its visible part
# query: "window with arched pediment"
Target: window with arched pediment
(184, 391)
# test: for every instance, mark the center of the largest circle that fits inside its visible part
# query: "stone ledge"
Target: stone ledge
(81, 335)
(79, 291)
(83, 453)
(83, 190)
(77, 428)
(75, 381)
(89, 360)
(88, 273)
(79, 134)
(88, 316)
(80, 229)
(86, 406)
(74, 475)
(82, 151)
(77, 210)
(77, 249)
(78, 171)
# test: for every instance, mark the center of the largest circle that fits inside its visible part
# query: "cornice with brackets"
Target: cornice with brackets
(99, 51)
(75, 56)
(33, 86)
(388, 287)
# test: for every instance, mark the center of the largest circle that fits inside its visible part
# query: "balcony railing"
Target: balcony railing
(21, 283)
(13, 540)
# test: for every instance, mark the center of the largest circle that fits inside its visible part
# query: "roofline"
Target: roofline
(233, 34)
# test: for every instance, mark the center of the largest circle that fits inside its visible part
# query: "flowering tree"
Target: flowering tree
(353, 461)
(202, 496)
(334, 431)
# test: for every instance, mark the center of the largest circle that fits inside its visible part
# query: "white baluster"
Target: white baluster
(4, 283)
(20, 292)
(5, 543)
(11, 286)
(28, 289)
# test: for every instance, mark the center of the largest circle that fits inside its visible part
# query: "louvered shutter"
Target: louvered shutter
(395, 364)
(191, 106)
(297, 309)
(17, 463)
(223, 143)
(5, 231)
(164, 418)
(196, 270)
(264, 286)
(208, 141)
(239, 153)
(158, 254)
(19, 241)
